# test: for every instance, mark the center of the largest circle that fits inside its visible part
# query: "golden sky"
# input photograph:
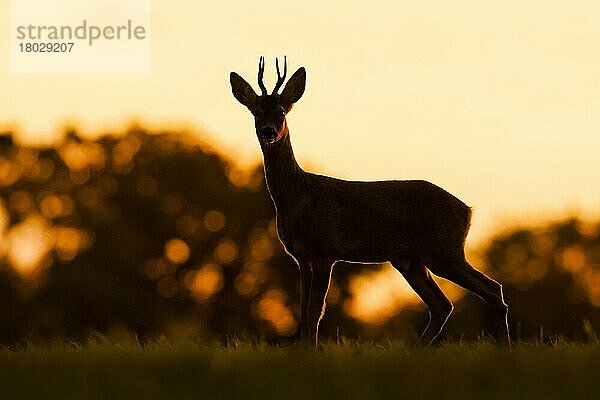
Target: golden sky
(498, 102)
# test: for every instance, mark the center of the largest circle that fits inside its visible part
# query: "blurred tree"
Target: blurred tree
(551, 277)
(143, 234)
(150, 234)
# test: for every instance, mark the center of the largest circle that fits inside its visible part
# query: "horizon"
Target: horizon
(498, 224)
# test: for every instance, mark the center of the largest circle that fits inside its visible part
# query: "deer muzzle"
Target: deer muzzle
(268, 134)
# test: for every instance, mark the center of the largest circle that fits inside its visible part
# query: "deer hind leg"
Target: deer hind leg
(321, 276)
(305, 283)
(488, 290)
(439, 306)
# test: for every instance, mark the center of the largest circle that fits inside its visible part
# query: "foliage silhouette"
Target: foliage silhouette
(146, 235)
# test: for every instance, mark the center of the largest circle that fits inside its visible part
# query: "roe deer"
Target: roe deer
(415, 225)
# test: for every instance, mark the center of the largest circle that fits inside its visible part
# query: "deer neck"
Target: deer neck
(283, 174)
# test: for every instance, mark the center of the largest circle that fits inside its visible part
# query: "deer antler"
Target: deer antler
(280, 78)
(261, 72)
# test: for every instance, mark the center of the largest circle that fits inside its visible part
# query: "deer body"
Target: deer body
(415, 225)
(364, 221)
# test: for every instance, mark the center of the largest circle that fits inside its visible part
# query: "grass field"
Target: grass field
(354, 371)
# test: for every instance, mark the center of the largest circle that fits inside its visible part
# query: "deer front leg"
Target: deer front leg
(305, 284)
(321, 276)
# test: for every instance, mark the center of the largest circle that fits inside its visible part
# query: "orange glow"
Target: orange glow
(124, 151)
(238, 177)
(177, 251)
(253, 275)
(377, 296)
(572, 258)
(271, 307)
(10, 172)
(214, 221)
(246, 284)
(70, 241)
(28, 244)
(204, 282)
(51, 206)
(20, 201)
(584, 267)
(261, 247)
(79, 156)
(226, 252)
(4, 221)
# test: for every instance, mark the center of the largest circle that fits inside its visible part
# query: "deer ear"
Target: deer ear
(242, 90)
(294, 89)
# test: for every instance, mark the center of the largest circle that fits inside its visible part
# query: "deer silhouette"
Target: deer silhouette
(415, 225)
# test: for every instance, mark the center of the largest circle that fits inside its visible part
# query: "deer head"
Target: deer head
(269, 110)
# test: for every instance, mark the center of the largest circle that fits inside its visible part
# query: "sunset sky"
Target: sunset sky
(498, 102)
